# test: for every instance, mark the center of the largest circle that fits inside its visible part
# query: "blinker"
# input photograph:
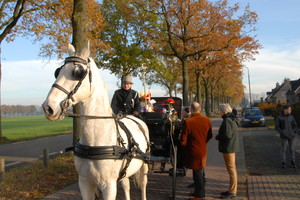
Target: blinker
(78, 72)
(56, 73)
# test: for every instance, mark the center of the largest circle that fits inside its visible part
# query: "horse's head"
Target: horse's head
(72, 85)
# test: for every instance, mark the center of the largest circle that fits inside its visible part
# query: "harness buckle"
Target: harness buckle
(65, 105)
(119, 116)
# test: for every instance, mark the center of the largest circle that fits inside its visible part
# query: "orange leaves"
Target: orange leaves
(50, 21)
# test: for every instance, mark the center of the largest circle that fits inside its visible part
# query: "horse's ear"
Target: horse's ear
(86, 50)
(71, 50)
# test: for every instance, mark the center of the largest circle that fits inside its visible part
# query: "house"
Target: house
(278, 94)
(293, 94)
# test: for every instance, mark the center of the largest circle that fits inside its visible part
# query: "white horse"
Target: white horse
(78, 80)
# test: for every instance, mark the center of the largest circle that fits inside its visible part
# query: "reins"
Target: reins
(88, 116)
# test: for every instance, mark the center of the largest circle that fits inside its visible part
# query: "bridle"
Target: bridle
(79, 74)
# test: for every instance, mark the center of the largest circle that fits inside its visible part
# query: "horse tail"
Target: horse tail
(140, 177)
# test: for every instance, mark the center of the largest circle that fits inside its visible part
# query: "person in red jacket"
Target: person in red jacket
(196, 132)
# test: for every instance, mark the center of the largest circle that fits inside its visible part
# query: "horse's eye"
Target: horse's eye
(78, 72)
(56, 73)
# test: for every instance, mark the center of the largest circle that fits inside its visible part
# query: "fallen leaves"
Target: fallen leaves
(33, 181)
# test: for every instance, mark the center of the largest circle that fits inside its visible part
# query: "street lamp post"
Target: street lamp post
(249, 86)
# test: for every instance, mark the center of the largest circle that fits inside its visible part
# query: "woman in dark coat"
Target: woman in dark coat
(228, 145)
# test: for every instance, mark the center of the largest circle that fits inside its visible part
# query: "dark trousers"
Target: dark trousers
(198, 177)
(285, 143)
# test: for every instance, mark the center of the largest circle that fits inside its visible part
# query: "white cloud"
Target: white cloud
(271, 66)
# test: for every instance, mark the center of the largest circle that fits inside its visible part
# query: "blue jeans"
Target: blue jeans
(198, 177)
(284, 144)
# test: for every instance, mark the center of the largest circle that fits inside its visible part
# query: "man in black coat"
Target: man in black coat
(287, 127)
(126, 100)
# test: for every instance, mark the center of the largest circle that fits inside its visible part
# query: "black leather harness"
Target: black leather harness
(116, 152)
(99, 152)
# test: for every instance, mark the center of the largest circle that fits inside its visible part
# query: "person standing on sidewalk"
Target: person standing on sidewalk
(228, 145)
(287, 127)
(196, 132)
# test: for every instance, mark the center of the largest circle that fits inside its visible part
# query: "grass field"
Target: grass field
(29, 127)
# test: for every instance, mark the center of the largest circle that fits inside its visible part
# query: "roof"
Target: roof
(295, 87)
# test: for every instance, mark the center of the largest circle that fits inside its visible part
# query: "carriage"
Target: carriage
(164, 129)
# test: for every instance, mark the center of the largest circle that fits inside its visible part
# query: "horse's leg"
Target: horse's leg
(142, 180)
(126, 187)
(109, 192)
(88, 190)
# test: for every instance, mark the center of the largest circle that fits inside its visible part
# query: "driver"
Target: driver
(126, 100)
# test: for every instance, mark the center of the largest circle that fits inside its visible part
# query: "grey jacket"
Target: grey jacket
(286, 125)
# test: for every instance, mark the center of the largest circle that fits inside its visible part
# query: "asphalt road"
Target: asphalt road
(27, 151)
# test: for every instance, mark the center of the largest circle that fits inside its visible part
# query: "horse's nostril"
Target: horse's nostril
(49, 110)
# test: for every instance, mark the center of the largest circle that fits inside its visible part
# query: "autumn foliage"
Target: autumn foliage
(49, 23)
(208, 40)
(192, 31)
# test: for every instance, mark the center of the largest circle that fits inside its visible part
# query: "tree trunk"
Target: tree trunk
(207, 105)
(198, 84)
(79, 24)
(170, 91)
(1, 135)
(212, 102)
(185, 82)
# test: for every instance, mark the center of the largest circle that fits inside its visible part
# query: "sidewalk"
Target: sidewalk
(250, 187)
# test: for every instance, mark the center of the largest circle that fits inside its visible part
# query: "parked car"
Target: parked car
(247, 108)
(253, 117)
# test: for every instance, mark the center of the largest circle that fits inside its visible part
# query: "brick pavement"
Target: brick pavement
(274, 187)
(160, 187)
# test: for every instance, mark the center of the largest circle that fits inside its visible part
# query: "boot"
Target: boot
(227, 195)
(294, 164)
(283, 165)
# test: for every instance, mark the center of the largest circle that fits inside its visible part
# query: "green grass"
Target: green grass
(270, 123)
(30, 127)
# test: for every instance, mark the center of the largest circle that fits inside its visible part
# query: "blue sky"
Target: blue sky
(27, 78)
